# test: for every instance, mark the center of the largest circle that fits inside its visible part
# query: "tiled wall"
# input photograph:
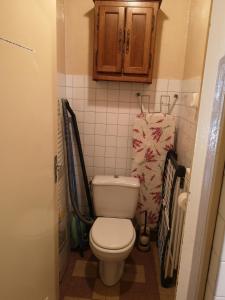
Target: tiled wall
(106, 112)
(187, 116)
(215, 285)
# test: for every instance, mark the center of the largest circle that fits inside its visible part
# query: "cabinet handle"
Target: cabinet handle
(128, 41)
(120, 40)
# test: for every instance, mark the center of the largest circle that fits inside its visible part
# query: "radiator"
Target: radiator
(172, 215)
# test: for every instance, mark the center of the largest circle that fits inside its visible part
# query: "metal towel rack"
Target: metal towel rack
(169, 105)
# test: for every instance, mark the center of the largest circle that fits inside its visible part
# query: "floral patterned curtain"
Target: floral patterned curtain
(153, 136)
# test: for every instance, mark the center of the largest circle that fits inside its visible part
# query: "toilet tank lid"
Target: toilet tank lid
(116, 180)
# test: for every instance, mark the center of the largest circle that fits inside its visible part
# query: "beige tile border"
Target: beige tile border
(102, 292)
(134, 273)
(87, 269)
(75, 298)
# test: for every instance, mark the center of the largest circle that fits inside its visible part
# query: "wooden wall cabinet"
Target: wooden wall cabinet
(124, 40)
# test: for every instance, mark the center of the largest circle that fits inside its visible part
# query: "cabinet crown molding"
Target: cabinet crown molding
(160, 1)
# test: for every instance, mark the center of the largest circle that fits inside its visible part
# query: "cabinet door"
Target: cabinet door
(110, 28)
(139, 26)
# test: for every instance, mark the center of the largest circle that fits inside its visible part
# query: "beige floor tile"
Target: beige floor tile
(134, 273)
(88, 269)
(75, 298)
(102, 292)
(166, 297)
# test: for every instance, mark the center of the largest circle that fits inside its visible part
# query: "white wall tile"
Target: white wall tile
(78, 105)
(121, 152)
(99, 162)
(89, 105)
(101, 94)
(101, 84)
(120, 172)
(174, 85)
(78, 93)
(79, 116)
(99, 151)
(112, 107)
(89, 117)
(100, 106)
(88, 82)
(78, 81)
(113, 95)
(89, 93)
(162, 85)
(88, 150)
(121, 163)
(111, 141)
(98, 171)
(89, 128)
(100, 140)
(89, 161)
(139, 86)
(110, 152)
(110, 162)
(122, 130)
(90, 171)
(100, 129)
(124, 95)
(100, 118)
(124, 107)
(111, 129)
(113, 85)
(110, 171)
(122, 141)
(123, 119)
(112, 118)
(89, 139)
(69, 80)
(69, 92)
(135, 108)
(125, 86)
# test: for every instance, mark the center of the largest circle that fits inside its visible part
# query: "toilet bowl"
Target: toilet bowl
(112, 235)
(111, 241)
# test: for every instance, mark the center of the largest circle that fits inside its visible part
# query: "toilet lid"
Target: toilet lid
(112, 233)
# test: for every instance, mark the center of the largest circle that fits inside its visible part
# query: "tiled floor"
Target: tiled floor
(140, 280)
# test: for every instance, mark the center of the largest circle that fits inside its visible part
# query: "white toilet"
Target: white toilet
(112, 235)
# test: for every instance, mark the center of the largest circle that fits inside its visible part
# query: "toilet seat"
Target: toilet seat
(112, 233)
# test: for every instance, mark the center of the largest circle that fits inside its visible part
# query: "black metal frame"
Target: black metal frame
(180, 172)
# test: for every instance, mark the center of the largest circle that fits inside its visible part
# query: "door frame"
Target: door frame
(207, 170)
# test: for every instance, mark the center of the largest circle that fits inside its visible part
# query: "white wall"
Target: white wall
(28, 223)
(193, 231)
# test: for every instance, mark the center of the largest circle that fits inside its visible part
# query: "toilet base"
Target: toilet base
(110, 272)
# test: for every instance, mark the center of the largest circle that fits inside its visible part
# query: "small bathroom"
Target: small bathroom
(112, 150)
